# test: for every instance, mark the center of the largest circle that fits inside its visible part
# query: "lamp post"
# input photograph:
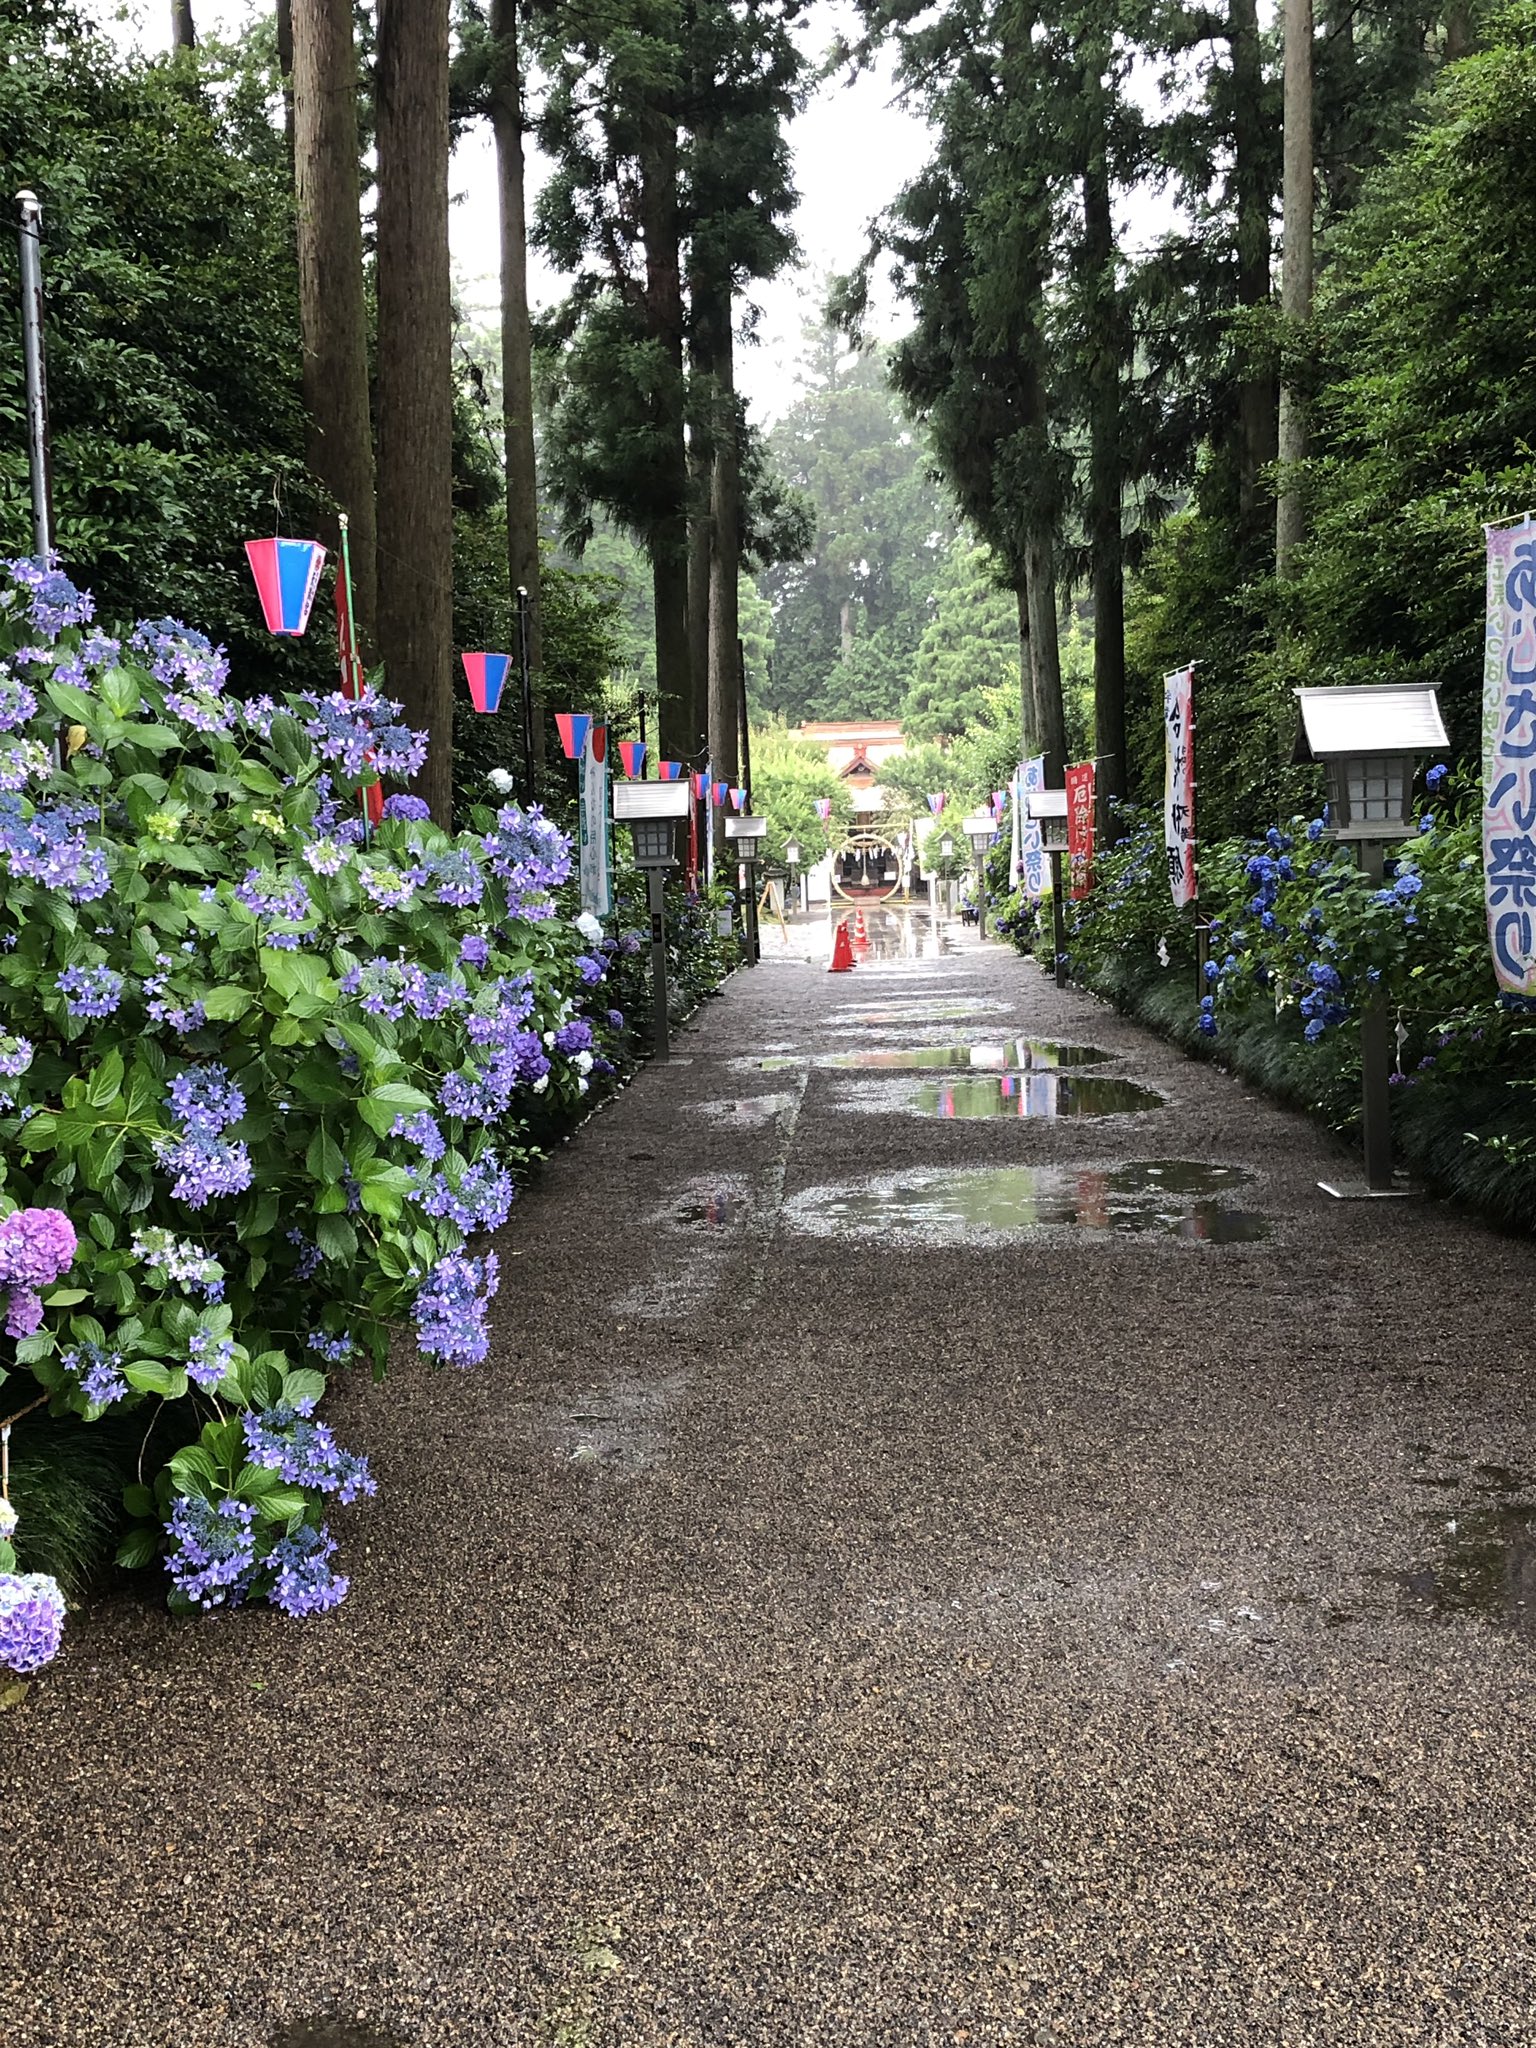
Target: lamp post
(792, 861)
(1368, 737)
(946, 856)
(981, 829)
(652, 811)
(1048, 808)
(747, 834)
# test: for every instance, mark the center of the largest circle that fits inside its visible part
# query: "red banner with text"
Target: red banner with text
(1080, 827)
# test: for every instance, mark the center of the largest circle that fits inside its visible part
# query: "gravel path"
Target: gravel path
(833, 1618)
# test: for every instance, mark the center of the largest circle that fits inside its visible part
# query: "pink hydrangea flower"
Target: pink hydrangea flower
(36, 1247)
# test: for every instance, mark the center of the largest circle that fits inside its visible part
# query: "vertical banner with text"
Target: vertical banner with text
(1179, 783)
(1031, 844)
(1080, 827)
(1509, 755)
(596, 876)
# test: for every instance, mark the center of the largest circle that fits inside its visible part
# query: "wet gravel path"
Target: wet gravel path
(834, 1618)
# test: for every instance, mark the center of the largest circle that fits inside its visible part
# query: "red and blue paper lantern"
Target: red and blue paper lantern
(719, 793)
(999, 802)
(936, 803)
(701, 788)
(669, 771)
(487, 675)
(574, 727)
(738, 798)
(287, 573)
(631, 756)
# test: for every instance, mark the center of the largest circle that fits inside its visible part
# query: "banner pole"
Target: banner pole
(39, 457)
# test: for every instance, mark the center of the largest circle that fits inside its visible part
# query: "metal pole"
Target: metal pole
(660, 1029)
(643, 749)
(981, 895)
(38, 453)
(746, 740)
(525, 676)
(1376, 1062)
(1058, 922)
(754, 938)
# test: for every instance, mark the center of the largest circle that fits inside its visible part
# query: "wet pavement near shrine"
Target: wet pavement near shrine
(901, 1578)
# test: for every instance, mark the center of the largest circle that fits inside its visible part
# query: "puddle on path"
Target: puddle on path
(1162, 1197)
(748, 1112)
(619, 1428)
(716, 1209)
(335, 2033)
(1485, 1565)
(1007, 1056)
(1046, 1096)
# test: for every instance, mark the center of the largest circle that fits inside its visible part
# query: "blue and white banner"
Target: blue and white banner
(1509, 756)
(1031, 776)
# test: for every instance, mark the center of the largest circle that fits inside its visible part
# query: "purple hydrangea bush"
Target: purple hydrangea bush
(265, 1077)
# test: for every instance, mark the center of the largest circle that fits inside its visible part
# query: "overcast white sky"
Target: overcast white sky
(854, 149)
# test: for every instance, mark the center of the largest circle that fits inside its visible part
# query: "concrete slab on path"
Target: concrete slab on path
(903, 1577)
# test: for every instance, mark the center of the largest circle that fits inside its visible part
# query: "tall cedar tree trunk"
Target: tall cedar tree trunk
(415, 381)
(332, 308)
(1104, 480)
(183, 34)
(285, 66)
(517, 345)
(1256, 393)
(725, 689)
(703, 311)
(1045, 652)
(1458, 31)
(1295, 276)
(668, 538)
(1029, 725)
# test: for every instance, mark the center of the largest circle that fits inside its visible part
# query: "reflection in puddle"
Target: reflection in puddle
(1165, 1197)
(1006, 1056)
(712, 1209)
(1486, 1567)
(1034, 1095)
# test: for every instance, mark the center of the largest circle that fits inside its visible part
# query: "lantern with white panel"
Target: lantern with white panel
(1048, 808)
(1369, 739)
(746, 834)
(653, 811)
(981, 829)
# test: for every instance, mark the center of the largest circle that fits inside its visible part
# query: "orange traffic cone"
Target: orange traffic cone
(842, 952)
(860, 935)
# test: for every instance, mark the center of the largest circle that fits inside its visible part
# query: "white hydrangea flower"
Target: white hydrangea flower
(8, 1520)
(589, 928)
(502, 781)
(583, 1063)
(541, 1084)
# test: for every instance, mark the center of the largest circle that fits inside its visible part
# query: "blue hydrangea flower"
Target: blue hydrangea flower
(304, 1582)
(212, 1554)
(31, 1621)
(97, 1371)
(450, 1310)
(91, 991)
(209, 1357)
(305, 1453)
